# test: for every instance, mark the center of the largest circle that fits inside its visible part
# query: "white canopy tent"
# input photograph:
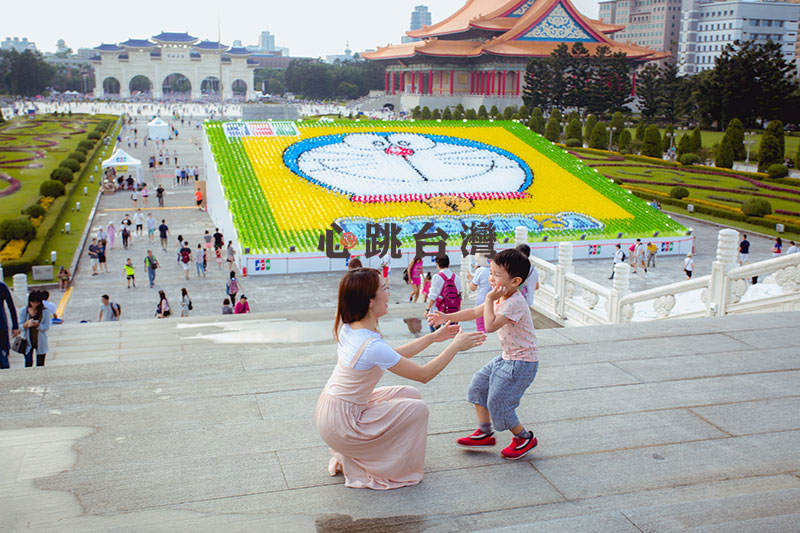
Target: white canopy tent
(124, 163)
(157, 129)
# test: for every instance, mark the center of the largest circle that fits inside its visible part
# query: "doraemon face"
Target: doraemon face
(406, 163)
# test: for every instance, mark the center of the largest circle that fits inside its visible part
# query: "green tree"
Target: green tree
(617, 125)
(436, 114)
(557, 114)
(599, 137)
(553, 131)
(447, 114)
(470, 114)
(416, 113)
(648, 89)
(458, 114)
(574, 130)
(697, 141)
(771, 149)
(537, 122)
(591, 121)
(524, 114)
(508, 112)
(651, 144)
(735, 133)
(640, 129)
(426, 113)
(625, 141)
(482, 114)
(684, 146)
(724, 157)
(493, 112)
(347, 90)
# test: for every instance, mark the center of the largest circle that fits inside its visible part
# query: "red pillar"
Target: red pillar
(503, 84)
(485, 84)
(413, 77)
(519, 81)
(392, 82)
(451, 83)
(421, 86)
(492, 84)
(386, 81)
(430, 82)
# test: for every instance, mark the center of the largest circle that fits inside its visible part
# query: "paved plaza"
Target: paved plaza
(208, 424)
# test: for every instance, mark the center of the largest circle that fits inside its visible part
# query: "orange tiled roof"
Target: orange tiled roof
(509, 43)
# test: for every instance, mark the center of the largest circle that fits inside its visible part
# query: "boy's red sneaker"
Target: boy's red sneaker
(519, 447)
(479, 439)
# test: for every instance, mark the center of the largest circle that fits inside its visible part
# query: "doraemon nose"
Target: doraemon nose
(402, 151)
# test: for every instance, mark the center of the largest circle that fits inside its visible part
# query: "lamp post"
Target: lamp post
(611, 131)
(748, 141)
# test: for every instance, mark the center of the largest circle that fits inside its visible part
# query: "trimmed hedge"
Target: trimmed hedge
(690, 159)
(757, 207)
(679, 192)
(78, 155)
(52, 188)
(20, 228)
(95, 135)
(35, 211)
(62, 174)
(86, 145)
(777, 171)
(72, 164)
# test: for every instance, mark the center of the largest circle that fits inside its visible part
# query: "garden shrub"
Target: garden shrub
(35, 211)
(777, 171)
(690, 159)
(553, 131)
(574, 143)
(651, 146)
(94, 135)
(78, 156)
(447, 114)
(51, 188)
(771, 149)
(735, 132)
(482, 114)
(470, 114)
(71, 164)
(426, 113)
(599, 138)
(679, 192)
(524, 113)
(625, 141)
(574, 131)
(591, 121)
(20, 228)
(436, 114)
(724, 157)
(62, 174)
(86, 145)
(757, 207)
(493, 112)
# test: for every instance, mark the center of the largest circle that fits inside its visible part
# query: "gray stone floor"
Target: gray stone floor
(204, 425)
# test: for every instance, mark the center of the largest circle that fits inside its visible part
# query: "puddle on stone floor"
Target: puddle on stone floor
(280, 331)
(342, 523)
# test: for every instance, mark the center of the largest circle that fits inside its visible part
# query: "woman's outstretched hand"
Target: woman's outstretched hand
(447, 331)
(435, 317)
(466, 341)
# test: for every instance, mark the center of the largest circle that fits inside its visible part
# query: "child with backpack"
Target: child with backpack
(185, 255)
(445, 291)
(232, 287)
(497, 388)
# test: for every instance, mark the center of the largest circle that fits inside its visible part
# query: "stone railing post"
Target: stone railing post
(21, 287)
(717, 302)
(622, 286)
(562, 269)
(520, 235)
(465, 263)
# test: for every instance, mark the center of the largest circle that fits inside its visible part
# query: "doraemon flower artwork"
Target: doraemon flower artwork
(397, 163)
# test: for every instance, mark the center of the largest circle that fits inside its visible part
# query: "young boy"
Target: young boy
(129, 273)
(497, 388)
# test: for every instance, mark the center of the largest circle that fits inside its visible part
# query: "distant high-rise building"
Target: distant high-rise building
(266, 41)
(655, 24)
(20, 45)
(419, 17)
(707, 27)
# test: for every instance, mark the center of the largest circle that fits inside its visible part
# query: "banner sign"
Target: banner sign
(260, 129)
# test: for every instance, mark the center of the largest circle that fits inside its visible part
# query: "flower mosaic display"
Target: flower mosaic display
(284, 190)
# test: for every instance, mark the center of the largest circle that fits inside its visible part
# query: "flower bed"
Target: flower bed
(12, 250)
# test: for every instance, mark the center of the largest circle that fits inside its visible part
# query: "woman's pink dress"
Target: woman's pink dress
(377, 436)
(416, 273)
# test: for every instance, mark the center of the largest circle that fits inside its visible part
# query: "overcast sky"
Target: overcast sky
(311, 28)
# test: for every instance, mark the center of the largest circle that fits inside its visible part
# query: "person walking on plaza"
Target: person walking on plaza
(208, 241)
(650, 254)
(94, 252)
(198, 197)
(219, 240)
(232, 286)
(138, 219)
(242, 306)
(744, 251)
(231, 255)
(792, 248)
(619, 257)
(200, 261)
(185, 254)
(377, 435)
(688, 266)
(111, 231)
(151, 223)
(35, 320)
(776, 248)
(163, 310)
(415, 277)
(151, 264)
(638, 256)
(128, 267)
(163, 233)
(445, 291)
(101, 256)
(160, 196)
(177, 176)
(145, 194)
(7, 302)
(109, 312)
(186, 302)
(134, 197)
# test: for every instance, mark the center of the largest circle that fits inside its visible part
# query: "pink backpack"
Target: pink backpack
(449, 301)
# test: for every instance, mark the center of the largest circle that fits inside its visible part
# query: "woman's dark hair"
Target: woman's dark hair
(525, 249)
(184, 292)
(778, 240)
(162, 295)
(226, 302)
(356, 289)
(514, 262)
(233, 274)
(354, 264)
(35, 296)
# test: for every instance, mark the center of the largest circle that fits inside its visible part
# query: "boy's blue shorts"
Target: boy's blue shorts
(499, 387)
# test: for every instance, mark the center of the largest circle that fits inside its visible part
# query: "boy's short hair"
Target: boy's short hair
(525, 249)
(514, 262)
(442, 261)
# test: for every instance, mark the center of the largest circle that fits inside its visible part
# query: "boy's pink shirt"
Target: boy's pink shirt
(517, 338)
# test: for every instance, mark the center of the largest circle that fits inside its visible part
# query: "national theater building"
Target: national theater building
(478, 55)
